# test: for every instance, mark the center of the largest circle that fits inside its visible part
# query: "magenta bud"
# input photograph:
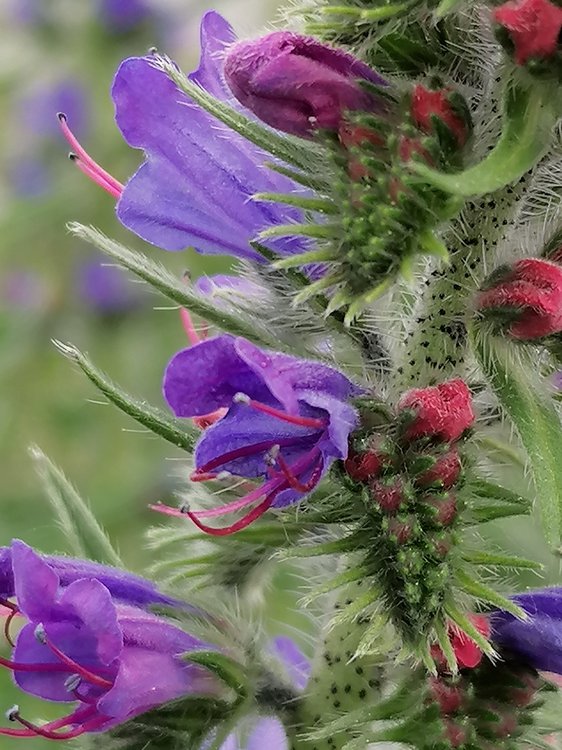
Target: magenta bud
(297, 84)
(445, 508)
(444, 473)
(389, 496)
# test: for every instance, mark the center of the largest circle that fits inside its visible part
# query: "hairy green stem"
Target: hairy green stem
(340, 683)
(437, 339)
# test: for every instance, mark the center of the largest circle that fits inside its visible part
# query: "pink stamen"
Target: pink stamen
(247, 450)
(49, 730)
(249, 518)
(17, 666)
(293, 480)
(318, 424)
(85, 158)
(189, 328)
(95, 176)
(78, 668)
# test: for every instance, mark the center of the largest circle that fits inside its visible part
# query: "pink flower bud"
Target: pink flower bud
(528, 296)
(443, 105)
(444, 473)
(530, 27)
(449, 697)
(467, 653)
(363, 465)
(445, 508)
(390, 495)
(297, 84)
(443, 411)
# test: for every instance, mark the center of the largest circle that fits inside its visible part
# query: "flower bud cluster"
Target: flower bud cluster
(486, 706)
(408, 473)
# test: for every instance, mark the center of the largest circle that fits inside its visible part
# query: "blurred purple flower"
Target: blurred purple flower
(37, 108)
(195, 188)
(123, 15)
(557, 380)
(537, 641)
(297, 84)
(81, 645)
(287, 420)
(106, 289)
(29, 177)
(23, 290)
(268, 733)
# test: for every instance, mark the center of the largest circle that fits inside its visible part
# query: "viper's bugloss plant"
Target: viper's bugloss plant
(367, 389)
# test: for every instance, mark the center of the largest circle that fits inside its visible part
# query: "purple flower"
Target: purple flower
(80, 644)
(123, 15)
(123, 586)
(287, 420)
(105, 289)
(24, 289)
(195, 188)
(537, 641)
(297, 84)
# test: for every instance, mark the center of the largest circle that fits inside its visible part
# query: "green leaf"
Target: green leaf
(84, 534)
(492, 512)
(287, 148)
(226, 669)
(491, 491)
(477, 557)
(511, 371)
(486, 594)
(183, 434)
(447, 6)
(529, 116)
(166, 283)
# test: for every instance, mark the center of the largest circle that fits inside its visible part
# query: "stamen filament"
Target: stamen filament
(94, 176)
(293, 480)
(246, 450)
(85, 157)
(189, 328)
(295, 419)
(78, 668)
(249, 518)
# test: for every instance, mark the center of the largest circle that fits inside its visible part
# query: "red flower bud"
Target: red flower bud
(389, 496)
(449, 697)
(468, 654)
(445, 508)
(532, 26)
(297, 84)
(401, 530)
(443, 411)
(362, 465)
(428, 107)
(444, 473)
(454, 733)
(529, 296)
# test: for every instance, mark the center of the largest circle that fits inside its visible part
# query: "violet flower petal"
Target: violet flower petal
(268, 733)
(195, 168)
(295, 661)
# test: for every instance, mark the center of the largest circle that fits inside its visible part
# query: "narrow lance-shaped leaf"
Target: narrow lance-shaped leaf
(166, 283)
(82, 530)
(183, 435)
(529, 116)
(511, 371)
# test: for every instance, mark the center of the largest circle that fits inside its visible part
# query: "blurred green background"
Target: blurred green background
(61, 55)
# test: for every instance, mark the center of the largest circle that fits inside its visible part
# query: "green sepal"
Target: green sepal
(291, 150)
(183, 434)
(477, 557)
(511, 372)
(486, 594)
(170, 286)
(229, 671)
(320, 205)
(82, 531)
(466, 624)
(529, 116)
(444, 643)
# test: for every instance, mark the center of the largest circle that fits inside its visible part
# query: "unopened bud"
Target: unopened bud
(530, 29)
(448, 696)
(524, 300)
(370, 459)
(401, 529)
(444, 509)
(297, 84)
(444, 473)
(388, 495)
(443, 113)
(441, 412)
